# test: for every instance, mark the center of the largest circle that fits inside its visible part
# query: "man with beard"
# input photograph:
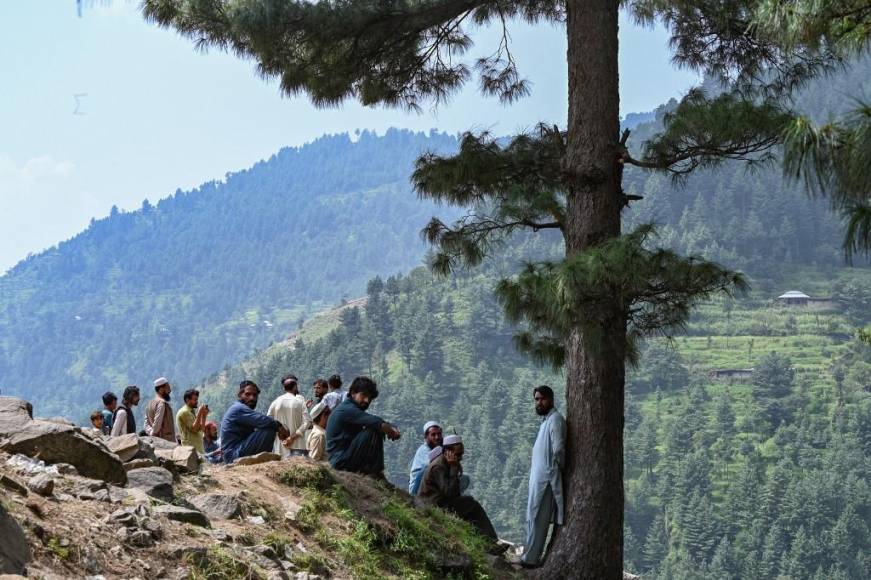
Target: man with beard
(191, 421)
(159, 418)
(320, 391)
(244, 431)
(545, 504)
(123, 421)
(355, 438)
(432, 438)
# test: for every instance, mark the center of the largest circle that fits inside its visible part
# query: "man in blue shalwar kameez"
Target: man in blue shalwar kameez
(546, 502)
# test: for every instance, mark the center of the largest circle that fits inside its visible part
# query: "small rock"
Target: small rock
(140, 539)
(123, 518)
(35, 506)
(66, 469)
(64, 497)
(256, 520)
(137, 497)
(221, 536)
(12, 485)
(155, 481)
(218, 506)
(122, 534)
(139, 464)
(153, 526)
(190, 554)
(265, 551)
(184, 515)
(42, 484)
(259, 458)
(124, 446)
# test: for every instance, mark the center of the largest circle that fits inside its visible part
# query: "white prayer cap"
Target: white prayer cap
(317, 410)
(452, 440)
(160, 382)
(434, 453)
(430, 424)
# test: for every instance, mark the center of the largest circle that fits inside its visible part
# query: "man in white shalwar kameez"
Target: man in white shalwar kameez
(289, 410)
(546, 502)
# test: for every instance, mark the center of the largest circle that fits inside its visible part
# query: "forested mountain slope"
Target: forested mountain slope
(206, 276)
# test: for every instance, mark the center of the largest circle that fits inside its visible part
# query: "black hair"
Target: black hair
(364, 385)
(108, 397)
(127, 396)
(190, 393)
(335, 382)
(544, 391)
(320, 382)
(292, 378)
(246, 383)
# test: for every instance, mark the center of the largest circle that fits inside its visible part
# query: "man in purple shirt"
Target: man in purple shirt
(244, 431)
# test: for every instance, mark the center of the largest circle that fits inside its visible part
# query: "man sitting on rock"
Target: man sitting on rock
(158, 414)
(212, 444)
(355, 438)
(244, 431)
(123, 421)
(317, 439)
(432, 438)
(190, 423)
(441, 487)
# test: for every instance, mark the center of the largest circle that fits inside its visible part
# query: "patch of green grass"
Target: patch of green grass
(278, 542)
(311, 563)
(307, 477)
(55, 548)
(220, 564)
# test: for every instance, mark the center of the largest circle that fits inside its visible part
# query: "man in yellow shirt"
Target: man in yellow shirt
(190, 423)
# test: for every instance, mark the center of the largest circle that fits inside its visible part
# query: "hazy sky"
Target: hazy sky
(106, 109)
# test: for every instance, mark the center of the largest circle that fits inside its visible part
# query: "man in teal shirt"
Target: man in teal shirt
(355, 438)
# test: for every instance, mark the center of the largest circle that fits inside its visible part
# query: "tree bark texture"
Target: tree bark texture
(590, 543)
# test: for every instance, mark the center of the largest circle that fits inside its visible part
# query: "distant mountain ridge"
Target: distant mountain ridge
(205, 276)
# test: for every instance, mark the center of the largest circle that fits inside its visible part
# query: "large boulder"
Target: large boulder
(55, 443)
(218, 506)
(124, 446)
(14, 549)
(155, 481)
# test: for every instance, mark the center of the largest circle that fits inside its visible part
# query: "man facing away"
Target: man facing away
(336, 395)
(545, 503)
(110, 403)
(158, 413)
(190, 423)
(432, 438)
(441, 487)
(289, 410)
(317, 439)
(244, 431)
(123, 421)
(355, 438)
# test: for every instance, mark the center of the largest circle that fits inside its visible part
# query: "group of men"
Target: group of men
(337, 427)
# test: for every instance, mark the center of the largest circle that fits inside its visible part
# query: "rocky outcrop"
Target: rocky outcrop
(55, 443)
(125, 446)
(14, 549)
(155, 481)
(182, 457)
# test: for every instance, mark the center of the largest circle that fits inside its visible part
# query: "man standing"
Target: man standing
(158, 414)
(244, 431)
(432, 438)
(110, 403)
(123, 421)
(317, 439)
(190, 424)
(289, 410)
(545, 504)
(441, 487)
(336, 394)
(355, 438)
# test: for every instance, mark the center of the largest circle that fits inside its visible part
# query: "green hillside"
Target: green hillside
(204, 277)
(439, 349)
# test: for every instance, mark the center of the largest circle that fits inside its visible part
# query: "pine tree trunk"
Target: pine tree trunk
(590, 543)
